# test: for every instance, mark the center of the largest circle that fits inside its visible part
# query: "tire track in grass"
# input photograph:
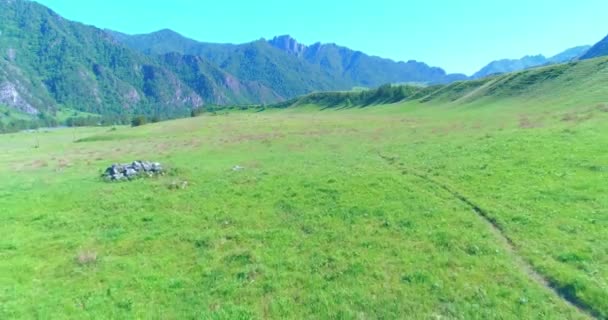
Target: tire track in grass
(560, 291)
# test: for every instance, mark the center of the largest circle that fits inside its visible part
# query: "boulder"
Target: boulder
(147, 166)
(117, 172)
(156, 167)
(131, 172)
(137, 165)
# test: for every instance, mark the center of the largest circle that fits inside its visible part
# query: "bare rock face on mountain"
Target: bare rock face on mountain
(11, 54)
(288, 44)
(10, 96)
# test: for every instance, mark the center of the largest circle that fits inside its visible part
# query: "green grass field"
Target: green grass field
(484, 210)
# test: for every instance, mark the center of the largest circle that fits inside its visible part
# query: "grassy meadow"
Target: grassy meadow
(344, 214)
(477, 200)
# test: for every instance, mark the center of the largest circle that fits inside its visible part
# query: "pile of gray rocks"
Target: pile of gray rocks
(118, 172)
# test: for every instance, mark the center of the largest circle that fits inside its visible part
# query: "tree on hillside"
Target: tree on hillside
(348, 103)
(139, 121)
(196, 112)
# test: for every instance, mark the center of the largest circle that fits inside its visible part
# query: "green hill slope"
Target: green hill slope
(287, 75)
(598, 50)
(571, 84)
(48, 60)
(214, 85)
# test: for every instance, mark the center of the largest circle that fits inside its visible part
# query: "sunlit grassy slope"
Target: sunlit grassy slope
(338, 213)
(557, 86)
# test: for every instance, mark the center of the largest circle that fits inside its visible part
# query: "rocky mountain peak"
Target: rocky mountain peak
(288, 44)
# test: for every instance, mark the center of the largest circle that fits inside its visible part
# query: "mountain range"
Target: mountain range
(511, 65)
(48, 62)
(289, 67)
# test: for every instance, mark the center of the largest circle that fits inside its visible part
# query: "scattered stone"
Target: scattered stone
(130, 171)
(86, 257)
(177, 185)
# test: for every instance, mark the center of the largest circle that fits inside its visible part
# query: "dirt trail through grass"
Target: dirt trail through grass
(562, 292)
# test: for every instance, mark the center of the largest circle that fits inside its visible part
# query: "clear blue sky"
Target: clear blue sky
(457, 35)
